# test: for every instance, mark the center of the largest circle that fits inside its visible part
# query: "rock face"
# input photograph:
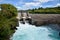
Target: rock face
(43, 19)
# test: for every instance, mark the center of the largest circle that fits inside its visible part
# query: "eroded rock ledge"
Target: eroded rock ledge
(43, 19)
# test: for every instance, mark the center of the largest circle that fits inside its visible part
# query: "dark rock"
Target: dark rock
(21, 19)
(59, 33)
(15, 28)
(23, 22)
(30, 21)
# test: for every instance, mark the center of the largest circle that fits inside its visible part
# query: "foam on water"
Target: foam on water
(31, 32)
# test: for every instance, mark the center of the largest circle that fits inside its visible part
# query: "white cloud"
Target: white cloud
(43, 1)
(32, 4)
(28, 5)
(22, 8)
(18, 8)
(58, 4)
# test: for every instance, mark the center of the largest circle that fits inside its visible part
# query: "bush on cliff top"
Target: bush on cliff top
(8, 20)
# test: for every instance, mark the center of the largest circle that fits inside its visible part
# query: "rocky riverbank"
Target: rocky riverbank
(43, 19)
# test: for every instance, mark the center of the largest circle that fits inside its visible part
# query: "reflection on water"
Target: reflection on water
(30, 32)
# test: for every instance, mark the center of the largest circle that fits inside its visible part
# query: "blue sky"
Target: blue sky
(30, 4)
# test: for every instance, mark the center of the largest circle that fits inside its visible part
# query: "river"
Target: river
(31, 32)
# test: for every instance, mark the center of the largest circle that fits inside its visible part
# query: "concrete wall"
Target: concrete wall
(22, 15)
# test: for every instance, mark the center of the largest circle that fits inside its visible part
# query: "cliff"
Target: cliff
(43, 19)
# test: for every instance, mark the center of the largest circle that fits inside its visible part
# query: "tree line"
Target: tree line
(40, 10)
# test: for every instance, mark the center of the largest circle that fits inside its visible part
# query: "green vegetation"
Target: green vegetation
(8, 21)
(53, 10)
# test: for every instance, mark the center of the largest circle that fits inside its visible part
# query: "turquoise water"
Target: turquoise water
(31, 32)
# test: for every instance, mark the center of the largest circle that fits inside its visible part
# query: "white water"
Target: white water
(31, 32)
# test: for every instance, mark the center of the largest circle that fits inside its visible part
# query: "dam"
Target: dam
(23, 16)
(38, 19)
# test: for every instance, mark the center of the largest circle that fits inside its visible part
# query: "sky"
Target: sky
(30, 4)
